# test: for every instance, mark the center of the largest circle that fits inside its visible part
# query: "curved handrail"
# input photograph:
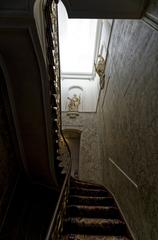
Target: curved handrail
(55, 228)
(68, 148)
(60, 88)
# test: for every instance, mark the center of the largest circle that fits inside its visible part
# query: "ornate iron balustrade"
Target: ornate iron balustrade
(62, 152)
(53, 61)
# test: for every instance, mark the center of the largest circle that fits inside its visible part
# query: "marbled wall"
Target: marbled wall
(128, 124)
(90, 166)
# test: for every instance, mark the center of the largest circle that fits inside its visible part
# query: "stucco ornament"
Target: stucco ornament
(74, 103)
(100, 70)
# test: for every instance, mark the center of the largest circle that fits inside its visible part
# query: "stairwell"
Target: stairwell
(92, 214)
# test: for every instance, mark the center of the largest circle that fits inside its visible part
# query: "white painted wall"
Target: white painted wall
(87, 89)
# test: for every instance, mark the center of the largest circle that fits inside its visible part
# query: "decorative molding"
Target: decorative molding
(72, 114)
(90, 112)
(108, 78)
(76, 127)
(77, 77)
(151, 21)
(73, 87)
(120, 170)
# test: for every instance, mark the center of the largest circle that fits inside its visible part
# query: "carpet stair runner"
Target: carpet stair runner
(92, 214)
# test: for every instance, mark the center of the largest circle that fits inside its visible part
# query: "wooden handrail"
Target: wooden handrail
(54, 223)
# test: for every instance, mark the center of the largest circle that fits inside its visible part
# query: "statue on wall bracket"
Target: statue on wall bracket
(73, 106)
(100, 70)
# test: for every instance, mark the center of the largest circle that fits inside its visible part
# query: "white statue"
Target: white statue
(74, 103)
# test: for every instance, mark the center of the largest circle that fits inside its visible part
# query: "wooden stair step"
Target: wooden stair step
(85, 184)
(92, 237)
(91, 201)
(93, 211)
(88, 192)
(95, 226)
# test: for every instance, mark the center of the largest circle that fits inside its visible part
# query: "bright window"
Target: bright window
(77, 43)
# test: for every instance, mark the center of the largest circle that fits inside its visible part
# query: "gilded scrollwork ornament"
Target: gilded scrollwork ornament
(100, 70)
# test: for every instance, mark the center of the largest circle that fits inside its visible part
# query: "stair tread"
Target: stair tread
(92, 237)
(104, 212)
(87, 189)
(88, 192)
(94, 221)
(95, 226)
(91, 197)
(93, 207)
(91, 200)
(86, 184)
(92, 214)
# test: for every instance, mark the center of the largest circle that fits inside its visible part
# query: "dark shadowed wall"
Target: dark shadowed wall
(9, 166)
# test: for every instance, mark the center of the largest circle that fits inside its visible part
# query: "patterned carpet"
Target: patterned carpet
(92, 214)
(88, 237)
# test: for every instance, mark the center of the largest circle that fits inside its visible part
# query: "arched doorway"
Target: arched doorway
(72, 137)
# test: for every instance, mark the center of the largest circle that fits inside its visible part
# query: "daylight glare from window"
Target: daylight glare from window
(77, 43)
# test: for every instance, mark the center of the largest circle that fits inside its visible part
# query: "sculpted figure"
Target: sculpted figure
(74, 103)
(100, 70)
(100, 66)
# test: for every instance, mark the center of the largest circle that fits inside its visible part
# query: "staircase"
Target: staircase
(92, 214)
